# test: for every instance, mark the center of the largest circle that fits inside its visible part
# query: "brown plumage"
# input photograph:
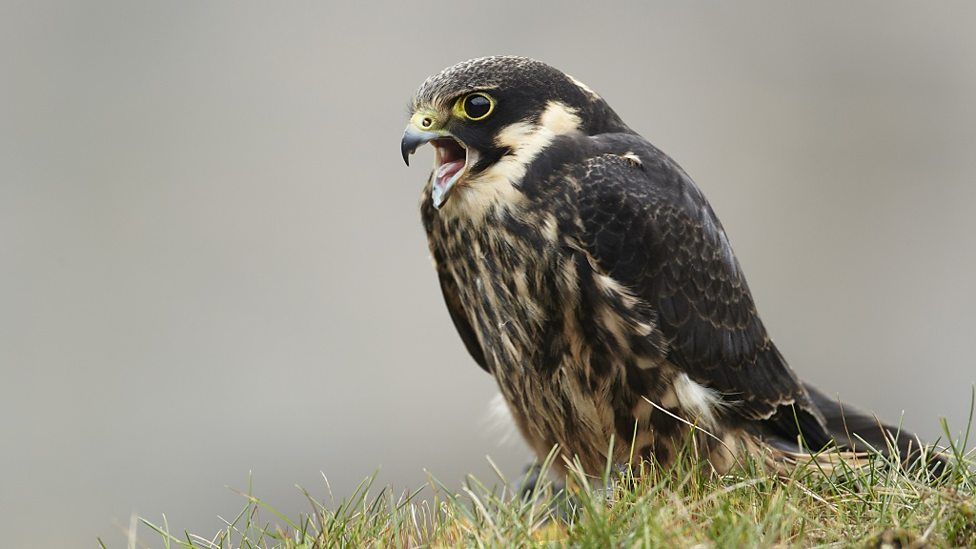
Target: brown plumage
(587, 273)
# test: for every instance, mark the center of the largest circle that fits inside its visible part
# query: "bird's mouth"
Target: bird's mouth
(451, 160)
(450, 164)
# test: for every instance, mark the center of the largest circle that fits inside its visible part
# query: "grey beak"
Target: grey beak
(413, 138)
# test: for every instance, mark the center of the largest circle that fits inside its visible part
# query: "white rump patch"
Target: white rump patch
(697, 400)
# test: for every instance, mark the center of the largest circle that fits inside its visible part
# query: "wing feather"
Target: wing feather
(649, 227)
(460, 319)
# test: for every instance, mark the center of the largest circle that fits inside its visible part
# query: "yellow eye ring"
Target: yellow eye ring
(474, 106)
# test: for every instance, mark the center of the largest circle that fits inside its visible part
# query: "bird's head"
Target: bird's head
(487, 118)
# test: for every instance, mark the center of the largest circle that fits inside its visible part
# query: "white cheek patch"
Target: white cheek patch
(526, 140)
(497, 186)
(559, 118)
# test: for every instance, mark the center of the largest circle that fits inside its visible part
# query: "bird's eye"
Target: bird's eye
(476, 106)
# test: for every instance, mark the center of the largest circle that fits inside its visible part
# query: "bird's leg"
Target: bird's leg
(533, 482)
(621, 474)
(563, 503)
(535, 488)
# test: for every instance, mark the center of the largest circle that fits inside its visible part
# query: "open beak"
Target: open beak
(451, 159)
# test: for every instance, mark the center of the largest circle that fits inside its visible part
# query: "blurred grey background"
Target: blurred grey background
(211, 260)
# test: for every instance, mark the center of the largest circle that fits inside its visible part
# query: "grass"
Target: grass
(684, 505)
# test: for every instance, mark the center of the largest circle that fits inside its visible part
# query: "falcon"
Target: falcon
(586, 272)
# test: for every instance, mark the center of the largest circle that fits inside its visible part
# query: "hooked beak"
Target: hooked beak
(412, 139)
(451, 159)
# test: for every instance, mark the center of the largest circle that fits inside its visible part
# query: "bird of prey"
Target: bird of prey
(586, 272)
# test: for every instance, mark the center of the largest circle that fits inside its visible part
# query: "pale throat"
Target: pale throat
(497, 187)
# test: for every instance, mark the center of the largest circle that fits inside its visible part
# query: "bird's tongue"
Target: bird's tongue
(446, 171)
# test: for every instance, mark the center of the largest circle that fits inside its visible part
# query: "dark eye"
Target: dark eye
(477, 106)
